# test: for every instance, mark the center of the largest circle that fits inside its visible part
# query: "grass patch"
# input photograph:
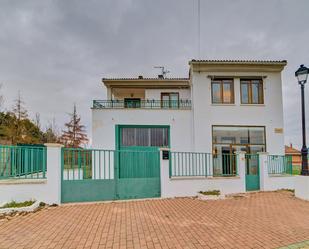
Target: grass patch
(210, 192)
(14, 204)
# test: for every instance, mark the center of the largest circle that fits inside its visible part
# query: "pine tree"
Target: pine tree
(75, 134)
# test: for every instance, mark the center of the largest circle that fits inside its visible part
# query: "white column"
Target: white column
(109, 93)
(164, 173)
(53, 173)
(263, 170)
(241, 167)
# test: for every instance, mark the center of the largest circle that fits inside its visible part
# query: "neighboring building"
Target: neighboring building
(223, 107)
(295, 154)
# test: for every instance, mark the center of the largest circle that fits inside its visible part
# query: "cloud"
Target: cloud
(56, 52)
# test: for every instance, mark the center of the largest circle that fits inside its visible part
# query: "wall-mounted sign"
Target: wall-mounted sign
(279, 130)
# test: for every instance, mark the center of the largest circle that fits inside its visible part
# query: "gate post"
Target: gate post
(164, 172)
(241, 168)
(54, 172)
(263, 170)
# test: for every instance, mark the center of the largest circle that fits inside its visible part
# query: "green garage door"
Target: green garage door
(139, 160)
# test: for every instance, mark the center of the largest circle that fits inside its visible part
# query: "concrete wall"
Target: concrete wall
(206, 114)
(47, 190)
(104, 122)
(269, 182)
(190, 186)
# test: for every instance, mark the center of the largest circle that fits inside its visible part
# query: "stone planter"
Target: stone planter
(210, 197)
(31, 208)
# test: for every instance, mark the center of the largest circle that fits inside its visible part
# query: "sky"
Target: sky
(55, 52)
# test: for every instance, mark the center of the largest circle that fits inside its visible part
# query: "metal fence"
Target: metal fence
(183, 164)
(79, 164)
(22, 162)
(279, 165)
(142, 104)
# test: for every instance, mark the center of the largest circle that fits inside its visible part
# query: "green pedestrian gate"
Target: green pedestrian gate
(95, 175)
(252, 172)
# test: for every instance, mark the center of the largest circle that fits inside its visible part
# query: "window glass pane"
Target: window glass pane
(142, 136)
(244, 93)
(145, 137)
(256, 135)
(227, 93)
(165, 100)
(128, 137)
(238, 135)
(216, 92)
(174, 98)
(255, 93)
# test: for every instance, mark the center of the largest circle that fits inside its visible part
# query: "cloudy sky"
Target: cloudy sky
(56, 51)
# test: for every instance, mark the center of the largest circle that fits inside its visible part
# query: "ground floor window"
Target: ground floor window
(144, 136)
(226, 140)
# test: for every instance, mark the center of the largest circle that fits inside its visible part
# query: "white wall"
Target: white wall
(156, 93)
(46, 190)
(190, 186)
(270, 182)
(104, 122)
(270, 114)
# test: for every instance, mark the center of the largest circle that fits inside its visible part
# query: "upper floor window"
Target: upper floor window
(170, 100)
(251, 91)
(222, 91)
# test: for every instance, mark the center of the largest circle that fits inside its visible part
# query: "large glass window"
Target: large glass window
(157, 137)
(228, 139)
(222, 91)
(251, 91)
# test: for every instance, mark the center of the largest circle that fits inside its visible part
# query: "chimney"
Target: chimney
(160, 76)
(140, 77)
(291, 146)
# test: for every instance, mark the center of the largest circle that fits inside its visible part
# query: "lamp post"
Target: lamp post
(302, 74)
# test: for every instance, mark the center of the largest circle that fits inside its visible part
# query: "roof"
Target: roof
(249, 66)
(241, 61)
(145, 79)
(290, 150)
(146, 82)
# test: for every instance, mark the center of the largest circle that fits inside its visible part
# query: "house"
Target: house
(296, 156)
(224, 106)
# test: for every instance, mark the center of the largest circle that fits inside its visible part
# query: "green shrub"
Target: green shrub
(14, 204)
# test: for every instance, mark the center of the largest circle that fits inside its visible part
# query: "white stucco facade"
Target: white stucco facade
(191, 129)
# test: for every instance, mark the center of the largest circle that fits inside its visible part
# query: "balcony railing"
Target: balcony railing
(183, 104)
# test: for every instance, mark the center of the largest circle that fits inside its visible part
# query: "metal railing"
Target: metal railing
(279, 165)
(186, 164)
(22, 162)
(183, 104)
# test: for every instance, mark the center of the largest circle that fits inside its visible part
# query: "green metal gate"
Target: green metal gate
(139, 160)
(96, 175)
(252, 172)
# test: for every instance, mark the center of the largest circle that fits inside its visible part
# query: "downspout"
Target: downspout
(192, 110)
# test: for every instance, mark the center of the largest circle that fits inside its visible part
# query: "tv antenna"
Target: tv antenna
(163, 71)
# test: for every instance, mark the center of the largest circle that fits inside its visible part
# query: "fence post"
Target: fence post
(241, 168)
(263, 170)
(164, 172)
(53, 161)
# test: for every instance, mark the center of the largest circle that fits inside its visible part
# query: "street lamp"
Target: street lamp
(302, 75)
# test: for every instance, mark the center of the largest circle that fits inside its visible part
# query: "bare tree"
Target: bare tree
(75, 133)
(19, 109)
(1, 97)
(51, 133)
(37, 120)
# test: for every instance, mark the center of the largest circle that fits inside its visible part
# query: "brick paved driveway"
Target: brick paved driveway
(263, 220)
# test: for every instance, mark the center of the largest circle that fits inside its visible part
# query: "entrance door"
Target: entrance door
(138, 171)
(253, 169)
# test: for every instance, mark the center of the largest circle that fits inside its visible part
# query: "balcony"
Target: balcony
(182, 104)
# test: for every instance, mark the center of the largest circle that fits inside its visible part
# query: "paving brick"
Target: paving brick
(262, 220)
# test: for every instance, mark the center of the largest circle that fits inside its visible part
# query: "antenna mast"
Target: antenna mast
(163, 71)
